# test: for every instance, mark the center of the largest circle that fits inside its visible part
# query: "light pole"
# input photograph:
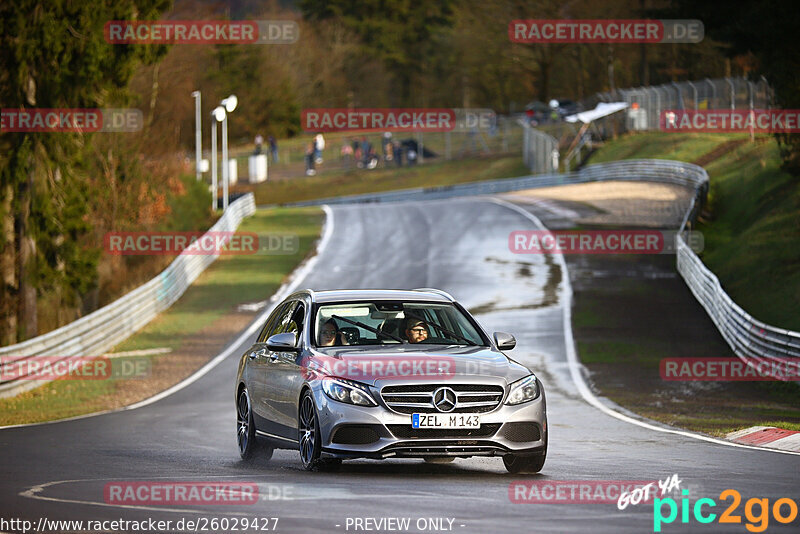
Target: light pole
(198, 136)
(229, 104)
(218, 115)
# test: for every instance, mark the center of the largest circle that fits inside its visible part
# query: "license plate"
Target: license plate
(444, 420)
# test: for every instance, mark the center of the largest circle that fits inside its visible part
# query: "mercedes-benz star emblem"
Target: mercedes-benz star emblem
(444, 399)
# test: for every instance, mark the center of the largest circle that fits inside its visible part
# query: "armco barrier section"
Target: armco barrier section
(630, 170)
(101, 330)
(751, 340)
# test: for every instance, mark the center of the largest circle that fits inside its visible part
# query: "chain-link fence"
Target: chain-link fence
(539, 151)
(643, 112)
(645, 104)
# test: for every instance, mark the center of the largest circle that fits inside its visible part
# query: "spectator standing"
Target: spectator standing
(319, 141)
(273, 148)
(310, 149)
(346, 153)
(387, 146)
(365, 149)
(398, 153)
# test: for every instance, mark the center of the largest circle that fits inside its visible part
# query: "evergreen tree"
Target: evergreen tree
(53, 54)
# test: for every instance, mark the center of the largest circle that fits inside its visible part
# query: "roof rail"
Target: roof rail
(438, 291)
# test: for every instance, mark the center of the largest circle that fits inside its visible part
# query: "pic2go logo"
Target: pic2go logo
(758, 522)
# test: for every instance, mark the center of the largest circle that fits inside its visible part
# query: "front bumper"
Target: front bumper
(349, 431)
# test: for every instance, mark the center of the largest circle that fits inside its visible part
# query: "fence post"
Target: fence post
(750, 88)
(767, 94)
(694, 89)
(733, 93)
(657, 111)
(712, 104)
(680, 95)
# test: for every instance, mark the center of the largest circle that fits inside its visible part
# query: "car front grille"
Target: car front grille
(406, 432)
(418, 398)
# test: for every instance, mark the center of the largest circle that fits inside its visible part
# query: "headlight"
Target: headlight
(347, 391)
(523, 390)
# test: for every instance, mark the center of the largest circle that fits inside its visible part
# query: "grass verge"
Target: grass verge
(752, 221)
(359, 181)
(625, 325)
(195, 328)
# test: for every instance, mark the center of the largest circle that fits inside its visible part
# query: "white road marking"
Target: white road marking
(307, 492)
(33, 491)
(253, 306)
(142, 352)
(286, 289)
(575, 365)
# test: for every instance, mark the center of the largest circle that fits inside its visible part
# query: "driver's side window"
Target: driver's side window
(269, 324)
(283, 323)
(296, 322)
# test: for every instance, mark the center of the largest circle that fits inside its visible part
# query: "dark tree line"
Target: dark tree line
(53, 55)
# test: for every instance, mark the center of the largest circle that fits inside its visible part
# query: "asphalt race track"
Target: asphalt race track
(58, 471)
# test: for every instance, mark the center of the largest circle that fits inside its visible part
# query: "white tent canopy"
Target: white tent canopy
(603, 109)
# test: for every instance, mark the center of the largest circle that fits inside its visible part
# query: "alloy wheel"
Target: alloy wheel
(244, 430)
(308, 431)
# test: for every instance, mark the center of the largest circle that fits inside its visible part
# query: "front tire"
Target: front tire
(310, 439)
(245, 428)
(523, 464)
(526, 464)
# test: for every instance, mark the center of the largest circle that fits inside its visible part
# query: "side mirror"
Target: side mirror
(284, 342)
(504, 341)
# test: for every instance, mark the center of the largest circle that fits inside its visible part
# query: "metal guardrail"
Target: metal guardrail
(751, 340)
(101, 330)
(627, 170)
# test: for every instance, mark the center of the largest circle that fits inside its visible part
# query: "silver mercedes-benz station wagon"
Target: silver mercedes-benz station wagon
(386, 373)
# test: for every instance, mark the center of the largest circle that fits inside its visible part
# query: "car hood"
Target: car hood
(405, 364)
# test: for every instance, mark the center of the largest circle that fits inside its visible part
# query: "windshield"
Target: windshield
(393, 323)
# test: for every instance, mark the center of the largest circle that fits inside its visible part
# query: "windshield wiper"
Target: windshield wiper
(367, 327)
(440, 328)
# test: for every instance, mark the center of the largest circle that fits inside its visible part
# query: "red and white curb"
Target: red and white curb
(768, 436)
